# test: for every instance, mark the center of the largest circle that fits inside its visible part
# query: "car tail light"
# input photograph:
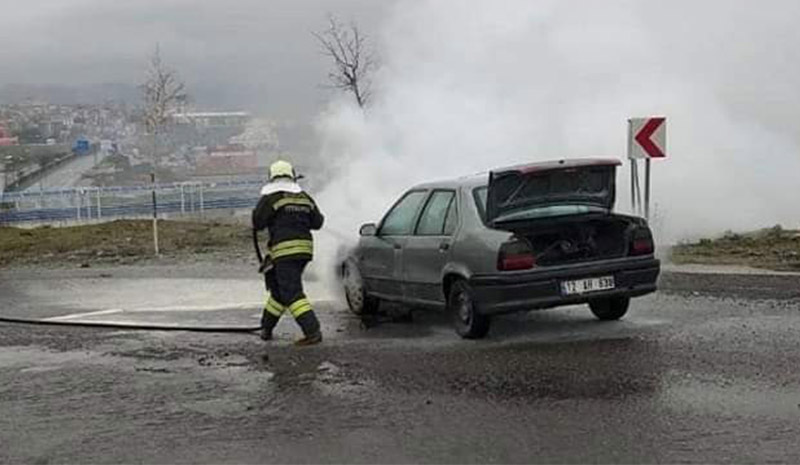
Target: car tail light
(641, 242)
(515, 254)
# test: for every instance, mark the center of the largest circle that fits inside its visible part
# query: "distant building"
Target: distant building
(227, 160)
(212, 119)
(6, 139)
(208, 128)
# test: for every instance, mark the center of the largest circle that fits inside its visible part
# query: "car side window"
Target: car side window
(400, 219)
(451, 221)
(434, 216)
(480, 195)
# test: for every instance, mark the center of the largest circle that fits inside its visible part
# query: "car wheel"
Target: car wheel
(357, 299)
(610, 309)
(468, 322)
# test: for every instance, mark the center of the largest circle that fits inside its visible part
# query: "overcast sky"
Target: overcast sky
(467, 84)
(260, 55)
(245, 53)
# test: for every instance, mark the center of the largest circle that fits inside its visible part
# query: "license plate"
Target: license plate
(583, 286)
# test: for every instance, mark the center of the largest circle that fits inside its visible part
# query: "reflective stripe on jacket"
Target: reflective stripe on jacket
(289, 215)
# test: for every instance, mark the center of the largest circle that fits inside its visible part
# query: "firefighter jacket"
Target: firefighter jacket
(289, 215)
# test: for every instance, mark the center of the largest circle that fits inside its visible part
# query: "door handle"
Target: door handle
(444, 247)
(397, 247)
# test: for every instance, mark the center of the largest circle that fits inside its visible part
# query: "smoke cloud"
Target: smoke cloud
(469, 86)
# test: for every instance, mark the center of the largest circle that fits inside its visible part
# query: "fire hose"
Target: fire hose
(132, 326)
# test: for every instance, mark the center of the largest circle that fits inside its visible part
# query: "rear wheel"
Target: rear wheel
(357, 299)
(468, 322)
(612, 308)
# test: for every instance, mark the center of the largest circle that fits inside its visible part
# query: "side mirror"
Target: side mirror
(369, 229)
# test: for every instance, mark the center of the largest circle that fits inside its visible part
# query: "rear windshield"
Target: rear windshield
(517, 192)
(530, 213)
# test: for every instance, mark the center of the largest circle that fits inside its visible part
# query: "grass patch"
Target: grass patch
(127, 240)
(772, 248)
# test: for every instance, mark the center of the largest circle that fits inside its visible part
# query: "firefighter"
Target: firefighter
(289, 215)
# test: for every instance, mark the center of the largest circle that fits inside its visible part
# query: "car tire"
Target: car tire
(357, 299)
(468, 322)
(610, 309)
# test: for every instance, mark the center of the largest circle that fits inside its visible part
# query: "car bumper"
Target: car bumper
(511, 292)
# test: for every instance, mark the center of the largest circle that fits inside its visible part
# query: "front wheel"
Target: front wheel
(612, 308)
(468, 322)
(357, 299)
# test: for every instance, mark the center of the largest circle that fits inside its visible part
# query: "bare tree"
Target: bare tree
(353, 60)
(163, 93)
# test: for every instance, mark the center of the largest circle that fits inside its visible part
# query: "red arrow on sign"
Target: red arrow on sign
(644, 137)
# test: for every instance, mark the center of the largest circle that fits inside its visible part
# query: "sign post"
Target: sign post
(647, 189)
(647, 139)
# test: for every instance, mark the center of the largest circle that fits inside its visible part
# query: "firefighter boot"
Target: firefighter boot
(269, 318)
(311, 330)
(268, 323)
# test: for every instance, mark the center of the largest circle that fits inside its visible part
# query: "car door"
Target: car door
(429, 249)
(382, 255)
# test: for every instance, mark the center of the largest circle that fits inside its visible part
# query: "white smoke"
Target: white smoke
(468, 86)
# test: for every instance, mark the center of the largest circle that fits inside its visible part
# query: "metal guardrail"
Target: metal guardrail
(95, 203)
(14, 195)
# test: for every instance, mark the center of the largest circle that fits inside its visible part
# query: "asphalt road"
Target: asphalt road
(68, 175)
(704, 371)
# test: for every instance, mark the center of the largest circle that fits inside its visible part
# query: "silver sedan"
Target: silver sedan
(520, 238)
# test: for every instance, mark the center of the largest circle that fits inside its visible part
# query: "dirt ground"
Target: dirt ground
(122, 242)
(772, 248)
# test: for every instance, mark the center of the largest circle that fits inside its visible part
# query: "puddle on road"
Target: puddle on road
(728, 397)
(223, 407)
(32, 359)
(234, 374)
(238, 372)
(330, 380)
(236, 397)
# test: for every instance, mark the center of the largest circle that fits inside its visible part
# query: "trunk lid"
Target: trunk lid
(523, 193)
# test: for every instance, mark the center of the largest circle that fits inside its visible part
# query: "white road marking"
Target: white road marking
(212, 308)
(175, 309)
(82, 315)
(198, 308)
(135, 323)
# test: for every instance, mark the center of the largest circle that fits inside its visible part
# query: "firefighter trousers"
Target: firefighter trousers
(285, 285)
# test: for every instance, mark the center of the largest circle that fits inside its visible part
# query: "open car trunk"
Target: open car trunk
(532, 191)
(563, 209)
(578, 238)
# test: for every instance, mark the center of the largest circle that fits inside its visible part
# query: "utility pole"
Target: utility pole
(155, 213)
(153, 186)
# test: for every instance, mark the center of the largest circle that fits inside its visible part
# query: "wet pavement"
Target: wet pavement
(704, 371)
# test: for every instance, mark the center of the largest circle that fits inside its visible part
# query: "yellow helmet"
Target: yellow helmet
(281, 169)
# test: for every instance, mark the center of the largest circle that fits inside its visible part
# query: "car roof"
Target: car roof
(473, 180)
(482, 178)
